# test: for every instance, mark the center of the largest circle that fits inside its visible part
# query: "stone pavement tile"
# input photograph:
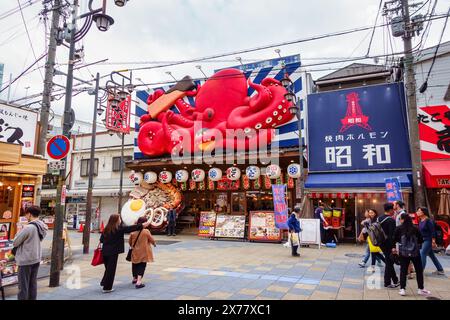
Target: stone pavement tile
(329, 283)
(300, 291)
(272, 294)
(250, 276)
(166, 296)
(277, 288)
(250, 292)
(219, 295)
(305, 286)
(193, 276)
(270, 277)
(346, 285)
(381, 294)
(289, 279)
(321, 295)
(265, 298)
(263, 269)
(238, 296)
(327, 289)
(290, 296)
(353, 280)
(187, 297)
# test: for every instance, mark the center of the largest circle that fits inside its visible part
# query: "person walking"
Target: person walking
(370, 217)
(426, 228)
(112, 239)
(409, 240)
(294, 230)
(141, 253)
(28, 253)
(375, 251)
(318, 214)
(387, 223)
(171, 218)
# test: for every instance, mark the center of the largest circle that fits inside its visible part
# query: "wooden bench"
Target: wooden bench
(186, 220)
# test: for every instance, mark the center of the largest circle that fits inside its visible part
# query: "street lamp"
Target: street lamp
(120, 3)
(103, 21)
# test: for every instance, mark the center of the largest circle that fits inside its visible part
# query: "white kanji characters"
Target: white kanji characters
(340, 138)
(328, 138)
(341, 156)
(382, 153)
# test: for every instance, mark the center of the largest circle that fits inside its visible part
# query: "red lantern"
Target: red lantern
(257, 183)
(192, 185)
(210, 184)
(201, 185)
(245, 182)
(291, 183)
(267, 182)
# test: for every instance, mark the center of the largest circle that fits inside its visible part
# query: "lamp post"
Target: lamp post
(103, 22)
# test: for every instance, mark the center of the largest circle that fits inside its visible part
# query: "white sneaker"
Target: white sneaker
(423, 292)
(371, 269)
(402, 292)
(108, 291)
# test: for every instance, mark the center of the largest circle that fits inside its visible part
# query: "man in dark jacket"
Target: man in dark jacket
(294, 228)
(171, 219)
(388, 226)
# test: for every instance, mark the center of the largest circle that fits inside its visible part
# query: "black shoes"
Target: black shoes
(140, 286)
(296, 255)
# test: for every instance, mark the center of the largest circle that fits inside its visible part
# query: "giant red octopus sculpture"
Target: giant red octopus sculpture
(221, 104)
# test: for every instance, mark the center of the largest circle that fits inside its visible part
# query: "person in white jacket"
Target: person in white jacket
(27, 245)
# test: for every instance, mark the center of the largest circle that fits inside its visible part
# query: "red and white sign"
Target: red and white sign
(63, 195)
(118, 118)
(58, 147)
(434, 130)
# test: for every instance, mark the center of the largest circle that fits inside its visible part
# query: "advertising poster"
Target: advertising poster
(4, 231)
(434, 130)
(230, 226)
(206, 224)
(280, 206)
(262, 226)
(10, 268)
(393, 189)
(364, 128)
(27, 191)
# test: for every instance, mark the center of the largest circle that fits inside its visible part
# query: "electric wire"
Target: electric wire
(374, 27)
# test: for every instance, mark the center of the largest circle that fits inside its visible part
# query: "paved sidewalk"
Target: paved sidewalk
(199, 269)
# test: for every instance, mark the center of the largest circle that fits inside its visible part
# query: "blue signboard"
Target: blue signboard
(393, 189)
(280, 206)
(271, 63)
(362, 128)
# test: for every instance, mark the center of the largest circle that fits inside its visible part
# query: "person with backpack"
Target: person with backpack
(294, 230)
(381, 234)
(371, 251)
(28, 253)
(428, 231)
(409, 240)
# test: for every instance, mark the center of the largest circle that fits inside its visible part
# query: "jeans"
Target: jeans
(28, 282)
(366, 255)
(427, 251)
(171, 228)
(404, 264)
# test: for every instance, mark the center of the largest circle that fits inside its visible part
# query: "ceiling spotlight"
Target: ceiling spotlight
(103, 21)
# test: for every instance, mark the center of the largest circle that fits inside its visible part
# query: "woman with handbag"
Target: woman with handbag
(113, 240)
(375, 252)
(140, 252)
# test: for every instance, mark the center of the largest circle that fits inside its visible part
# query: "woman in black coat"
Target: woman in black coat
(113, 241)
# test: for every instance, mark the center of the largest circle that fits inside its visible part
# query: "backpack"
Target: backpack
(439, 234)
(409, 246)
(376, 233)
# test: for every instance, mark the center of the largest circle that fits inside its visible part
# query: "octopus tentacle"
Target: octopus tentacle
(262, 99)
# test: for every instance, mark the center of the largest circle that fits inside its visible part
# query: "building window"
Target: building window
(84, 171)
(116, 162)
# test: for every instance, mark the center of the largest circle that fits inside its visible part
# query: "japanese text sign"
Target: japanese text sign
(361, 128)
(434, 130)
(279, 206)
(118, 118)
(393, 189)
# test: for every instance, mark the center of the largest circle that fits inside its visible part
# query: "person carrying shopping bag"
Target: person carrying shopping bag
(294, 232)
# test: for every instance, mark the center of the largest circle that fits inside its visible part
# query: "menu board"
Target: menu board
(27, 191)
(10, 269)
(206, 224)
(228, 226)
(262, 226)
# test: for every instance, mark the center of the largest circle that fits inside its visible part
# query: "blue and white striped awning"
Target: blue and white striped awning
(287, 134)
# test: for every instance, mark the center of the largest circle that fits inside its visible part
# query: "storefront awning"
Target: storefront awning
(356, 179)
(437, 173)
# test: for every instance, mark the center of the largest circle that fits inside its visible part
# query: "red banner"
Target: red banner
(118, 118)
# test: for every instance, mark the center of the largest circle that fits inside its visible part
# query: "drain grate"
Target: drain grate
(165, 242)
(433, 298)
(354, 255)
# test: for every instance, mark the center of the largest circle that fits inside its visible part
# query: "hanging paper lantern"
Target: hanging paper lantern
(245, 182)
(291, 183)
(267, 182)
(273, 171)
(182, 176)
(257, 183)
(150, 177)
(294, 170)
(192, 185)
(201, 185)
(183, 186)
(210, 185)
(233, 173)
(198, 175)
(136, 177)
(253, 172)
(215, 174)
(165, 176)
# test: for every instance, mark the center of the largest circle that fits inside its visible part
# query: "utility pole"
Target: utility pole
(410, 84)
(48, 81)
(58, 242)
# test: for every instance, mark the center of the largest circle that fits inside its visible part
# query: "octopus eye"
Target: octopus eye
(275, 113)
(268, 120)
(258, 126)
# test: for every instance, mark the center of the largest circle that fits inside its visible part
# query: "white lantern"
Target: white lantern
(136, 177)
(294, 170)
(253, 172)
(181, 176)
(150, 177)
(165, 176)
(273, 171)
(198, 175)
(233, 173)
(215, 174)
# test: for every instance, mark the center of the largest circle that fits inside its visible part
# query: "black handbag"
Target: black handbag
(130, 251)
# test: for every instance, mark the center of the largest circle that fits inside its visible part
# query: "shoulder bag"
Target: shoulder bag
(130, 251)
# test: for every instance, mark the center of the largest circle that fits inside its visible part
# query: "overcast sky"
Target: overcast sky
(172, 30)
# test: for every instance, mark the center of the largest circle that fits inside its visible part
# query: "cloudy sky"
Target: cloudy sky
(155, 32)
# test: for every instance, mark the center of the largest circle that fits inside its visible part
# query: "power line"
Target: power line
(15, 10)
(374, 27)
(29, 38)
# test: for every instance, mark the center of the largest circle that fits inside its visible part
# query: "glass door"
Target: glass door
(238, 203)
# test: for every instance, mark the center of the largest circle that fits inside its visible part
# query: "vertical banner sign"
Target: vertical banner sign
(63, 195)
(393, 189)
(118, 118)
(280, 206)
(361, 128)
